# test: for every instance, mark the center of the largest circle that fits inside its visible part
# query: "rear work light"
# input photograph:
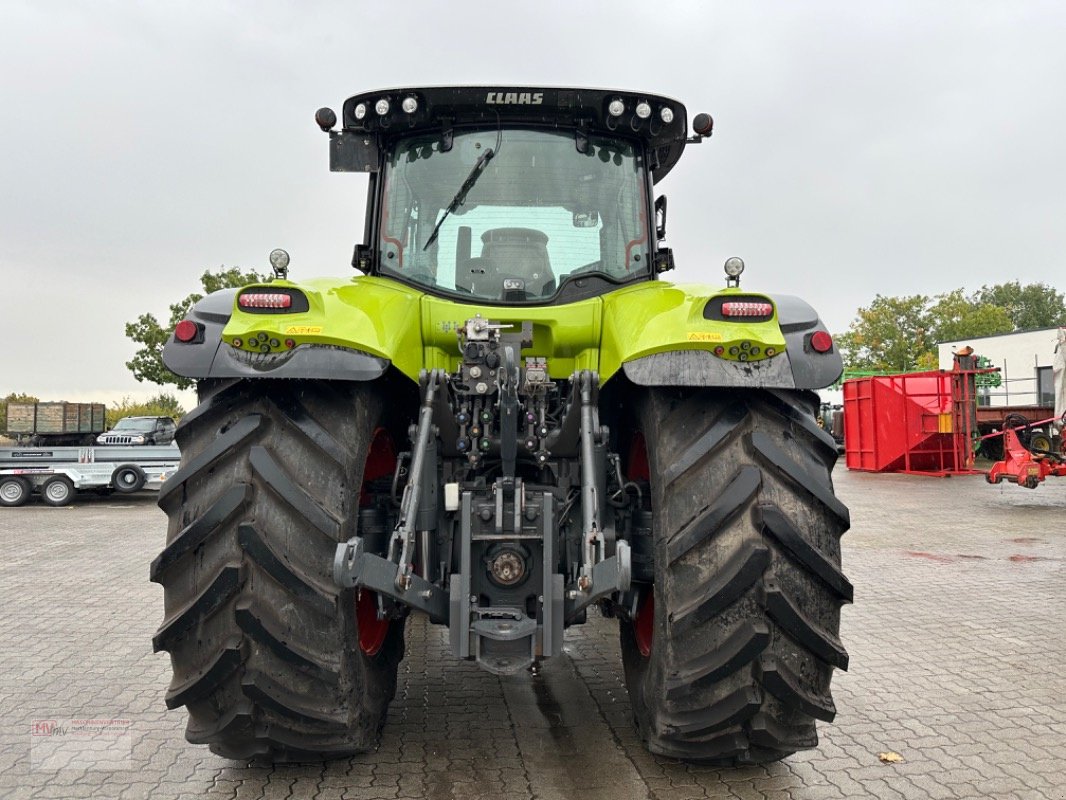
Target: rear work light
(746, 309)
(265, 300)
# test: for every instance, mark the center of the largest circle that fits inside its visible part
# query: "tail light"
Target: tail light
(265, 300)
(272, 300)
(739, 308)
(746, 309)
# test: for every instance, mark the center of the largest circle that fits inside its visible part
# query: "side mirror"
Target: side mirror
(660, 217)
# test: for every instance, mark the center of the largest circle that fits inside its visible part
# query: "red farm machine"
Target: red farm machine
(930, 423)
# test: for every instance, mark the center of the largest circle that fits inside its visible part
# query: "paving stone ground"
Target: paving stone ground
(957, 641)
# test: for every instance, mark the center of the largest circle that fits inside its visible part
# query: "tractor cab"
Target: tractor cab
(523, 196)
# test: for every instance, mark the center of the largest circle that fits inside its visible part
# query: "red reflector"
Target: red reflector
(265, 300)
(743, 308)
(185, 331)
(821, 341)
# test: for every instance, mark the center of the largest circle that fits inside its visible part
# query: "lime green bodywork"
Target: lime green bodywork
(414, 330)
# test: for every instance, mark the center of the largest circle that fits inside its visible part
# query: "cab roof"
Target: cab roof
(445, 107)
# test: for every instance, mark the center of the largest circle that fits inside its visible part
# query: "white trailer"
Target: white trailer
(57, 474)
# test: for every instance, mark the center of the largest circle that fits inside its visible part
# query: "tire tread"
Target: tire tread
(265, 657)
(748, 586)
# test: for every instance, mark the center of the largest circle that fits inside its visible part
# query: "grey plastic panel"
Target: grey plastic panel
(213, 359)
(194, 360)
(794, 312)
(797, 320)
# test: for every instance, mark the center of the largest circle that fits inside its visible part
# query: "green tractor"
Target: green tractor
(508, 419)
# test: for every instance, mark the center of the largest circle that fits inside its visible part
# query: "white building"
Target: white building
(1025, 361)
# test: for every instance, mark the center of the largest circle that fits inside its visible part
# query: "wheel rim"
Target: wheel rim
(637, 469)
(380, 462)
(126, 478)
(644, 623)
(637, 466)
(11, 491)
(372, 631)
(57, 491)
(1039, 441)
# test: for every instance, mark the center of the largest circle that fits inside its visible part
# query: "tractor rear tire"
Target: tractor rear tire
(735, 664)
(264, 647)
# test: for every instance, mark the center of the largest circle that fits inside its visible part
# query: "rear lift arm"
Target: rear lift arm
(600, 574)
(394, 576)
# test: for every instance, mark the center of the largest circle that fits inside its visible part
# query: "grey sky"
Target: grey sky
(860, 148)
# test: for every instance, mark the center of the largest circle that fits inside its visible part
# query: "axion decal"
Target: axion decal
(515, 98)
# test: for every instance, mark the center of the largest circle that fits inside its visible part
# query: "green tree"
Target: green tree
(147, 362)
(162, 405)
(955, 316)
(890, 334)
(899, 334)
(1032, 306)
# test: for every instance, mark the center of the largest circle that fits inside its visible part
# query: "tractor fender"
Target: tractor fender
(798, 367)
(210, 357)
(798, 320)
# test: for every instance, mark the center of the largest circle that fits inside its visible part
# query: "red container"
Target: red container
(916, 422)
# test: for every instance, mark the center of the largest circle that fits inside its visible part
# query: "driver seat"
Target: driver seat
(519, 253)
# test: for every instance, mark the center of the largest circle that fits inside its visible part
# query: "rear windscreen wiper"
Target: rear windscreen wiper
(460, 196)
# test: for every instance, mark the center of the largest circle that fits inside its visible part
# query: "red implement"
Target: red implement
(918, 423)
(1022, 466)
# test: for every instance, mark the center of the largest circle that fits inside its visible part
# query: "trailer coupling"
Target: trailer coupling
(514, 530)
